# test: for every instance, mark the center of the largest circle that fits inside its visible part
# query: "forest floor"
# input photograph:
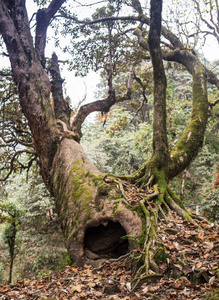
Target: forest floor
(191, 274)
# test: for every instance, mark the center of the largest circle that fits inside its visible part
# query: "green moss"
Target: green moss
(81, 192)
(195, 238)
(177, 199)
(104, 189)
(213, 296)
(74, 193)
(97, 180)
(118, 210)
(116, 203)
(187, 147)
(181, 263)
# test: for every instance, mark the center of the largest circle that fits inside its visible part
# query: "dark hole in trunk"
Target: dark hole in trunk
(106, 240)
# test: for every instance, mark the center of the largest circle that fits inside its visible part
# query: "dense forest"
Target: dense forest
(85, 182)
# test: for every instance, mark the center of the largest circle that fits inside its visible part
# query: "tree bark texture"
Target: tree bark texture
(160, 144)
(83, 201)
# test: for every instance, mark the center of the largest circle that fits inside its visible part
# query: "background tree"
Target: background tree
(10, 233)
(96, 210)
(39, 246)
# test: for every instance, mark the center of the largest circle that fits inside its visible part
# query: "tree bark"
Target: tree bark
(84, 200)
(160, 144)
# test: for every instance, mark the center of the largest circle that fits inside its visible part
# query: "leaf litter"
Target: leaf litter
(190, 270)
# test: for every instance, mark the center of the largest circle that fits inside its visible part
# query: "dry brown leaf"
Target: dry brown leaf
(198, 265)
(145, 290)
(74, 268)
(39, 285)
(4, 289)
(170, 246)
(76, 288)
(91, 284)
(201, 235)
(181, 283)
(212, 235)
(153, 288)
(208, 246)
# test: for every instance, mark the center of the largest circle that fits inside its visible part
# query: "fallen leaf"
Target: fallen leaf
(198, 265)
(212, 235)
(153, 288)
(208, 246)
(145, 290)
(76, 288)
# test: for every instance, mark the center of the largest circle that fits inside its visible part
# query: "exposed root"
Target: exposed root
(157, 206)
(112, 260)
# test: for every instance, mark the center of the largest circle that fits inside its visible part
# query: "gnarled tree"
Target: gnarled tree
(94, 210)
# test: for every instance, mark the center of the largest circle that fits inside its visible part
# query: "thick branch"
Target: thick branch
(43, 18)
(191, 140)
(61, 107)
(33, 85)
(165, 32)
(160, 144)
(102, 105)
(177, 55)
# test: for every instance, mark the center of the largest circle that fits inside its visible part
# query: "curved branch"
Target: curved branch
(140, 18)
(101, 105)
(177, 55)
(66, 132)
(32, 81)
(191, 141)
(18, 141)
(11, 37)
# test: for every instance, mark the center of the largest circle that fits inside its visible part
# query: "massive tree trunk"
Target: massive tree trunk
(92, 215)
(96, 211)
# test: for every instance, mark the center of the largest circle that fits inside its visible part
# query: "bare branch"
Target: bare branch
(212, 104)
(5, 74)
(13, 160)
(101, 105)
(11, 140)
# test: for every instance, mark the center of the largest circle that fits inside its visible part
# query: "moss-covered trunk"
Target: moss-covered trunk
(84, 200)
